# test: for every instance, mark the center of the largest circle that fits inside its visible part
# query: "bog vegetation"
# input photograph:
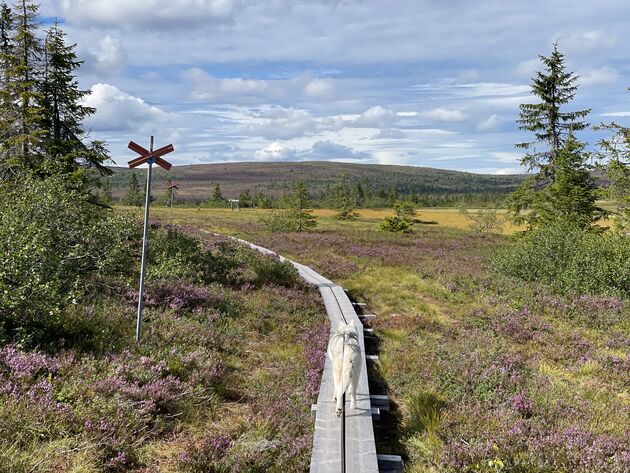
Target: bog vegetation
(504, 354)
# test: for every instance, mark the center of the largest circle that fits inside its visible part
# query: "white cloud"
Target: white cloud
(119, 111)
(275, 152)
(375, 117)
(603, 75)
(506, 156)
(390, 133)
(528, 68)
(329, 151)
(319, 151)
(171, 14)
(107, 58)
(206, 87)
(285, 123)
(321, 89)
(492, 123)
(443, 115)
(586, 41)
(615, 114)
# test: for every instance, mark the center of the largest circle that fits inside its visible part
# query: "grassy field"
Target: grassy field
(438, 217)
(488, 373)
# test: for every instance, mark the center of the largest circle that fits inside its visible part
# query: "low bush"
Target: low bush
(55, 243)
(570, 260)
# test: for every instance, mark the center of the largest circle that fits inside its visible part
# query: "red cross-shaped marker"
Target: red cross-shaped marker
(146, 155)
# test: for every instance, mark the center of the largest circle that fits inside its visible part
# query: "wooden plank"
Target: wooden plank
(360, 446)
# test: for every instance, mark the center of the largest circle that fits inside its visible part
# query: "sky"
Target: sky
(434, 83)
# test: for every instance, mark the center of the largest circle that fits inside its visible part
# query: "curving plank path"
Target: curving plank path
(360, 447)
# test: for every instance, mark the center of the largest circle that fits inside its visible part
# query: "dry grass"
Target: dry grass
(440, 217)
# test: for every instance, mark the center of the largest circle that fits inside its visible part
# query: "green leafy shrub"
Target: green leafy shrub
(54, 243)
(484, 220)
(571, 260)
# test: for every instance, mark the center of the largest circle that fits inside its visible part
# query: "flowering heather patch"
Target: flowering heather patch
(213, 367)
(521, 325)
(178, 295)
(25, 365)
(315, 343)
(522, 404)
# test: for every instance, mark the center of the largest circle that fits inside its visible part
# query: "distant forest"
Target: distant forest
(265, 184)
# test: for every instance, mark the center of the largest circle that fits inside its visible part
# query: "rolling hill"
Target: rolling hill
(197, 181)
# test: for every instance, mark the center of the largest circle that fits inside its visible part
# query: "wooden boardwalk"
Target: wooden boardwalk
(360, 447)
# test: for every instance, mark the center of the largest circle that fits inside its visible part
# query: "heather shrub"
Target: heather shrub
(270, 270)
(570, 260)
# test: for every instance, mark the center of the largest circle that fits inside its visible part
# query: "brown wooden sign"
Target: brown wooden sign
(145, 155)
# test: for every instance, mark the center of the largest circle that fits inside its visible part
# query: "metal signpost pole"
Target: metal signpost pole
(146, 156)
(143, 265)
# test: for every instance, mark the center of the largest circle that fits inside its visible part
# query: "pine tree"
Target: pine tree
(554, 129)
(63, 112)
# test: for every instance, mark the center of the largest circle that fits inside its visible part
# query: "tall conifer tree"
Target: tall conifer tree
(63, 112)
(555, 155)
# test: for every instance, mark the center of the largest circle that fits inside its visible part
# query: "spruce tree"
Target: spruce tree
(63, 112)
(615, 151)
(21, 116)
(133, 196)
(217, 196)
(343, 199)
(554, 149)
(299, 213)
(549, 123)
(571, 197)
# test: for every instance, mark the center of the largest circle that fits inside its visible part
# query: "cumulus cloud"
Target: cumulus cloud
(329, 151)
(206, 87)
(286, 123)
(275, 152)
(119, 111)
(107, 58)
(441, 114)
(320, 89)
(492, 123)
(320, 151)
(601, 76)
(375, 117)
